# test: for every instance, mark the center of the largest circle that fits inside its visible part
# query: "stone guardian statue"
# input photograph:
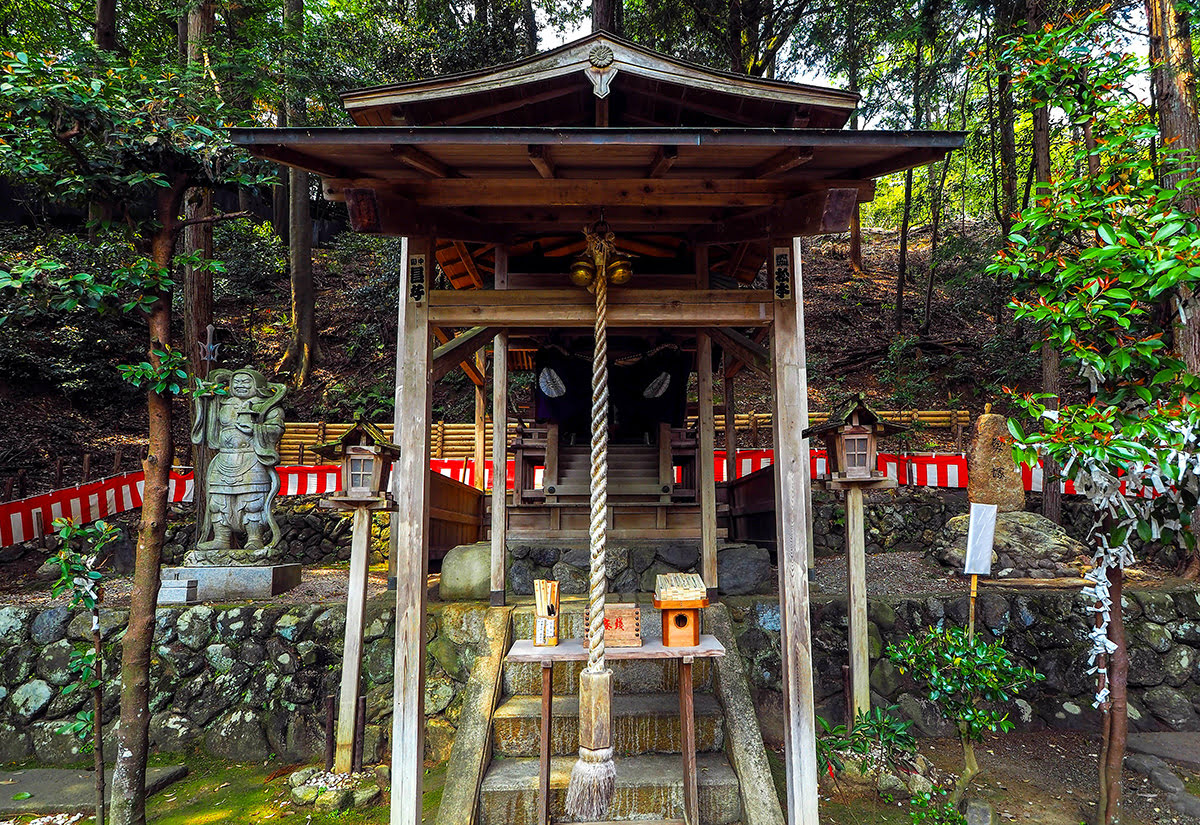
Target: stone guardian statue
(241, 419)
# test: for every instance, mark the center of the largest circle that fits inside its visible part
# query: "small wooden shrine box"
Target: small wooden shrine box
(680, 621)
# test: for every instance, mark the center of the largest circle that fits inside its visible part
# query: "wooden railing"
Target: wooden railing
(455, 514)
(449, 440)
(751, 508)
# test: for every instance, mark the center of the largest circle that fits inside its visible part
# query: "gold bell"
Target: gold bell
(582, 271)
(620, 271)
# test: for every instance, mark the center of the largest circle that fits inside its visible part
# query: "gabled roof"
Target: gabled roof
(867, 417)
(363, 433)
(646, 89)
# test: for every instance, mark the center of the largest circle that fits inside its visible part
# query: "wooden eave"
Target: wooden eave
(493, 184)
(552, 88)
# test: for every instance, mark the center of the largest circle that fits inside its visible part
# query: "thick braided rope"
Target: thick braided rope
(599, 479)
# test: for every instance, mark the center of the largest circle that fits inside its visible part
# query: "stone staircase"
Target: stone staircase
(645, 732)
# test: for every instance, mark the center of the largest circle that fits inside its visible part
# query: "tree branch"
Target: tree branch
(227, 216)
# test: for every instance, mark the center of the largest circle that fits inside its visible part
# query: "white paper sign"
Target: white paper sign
(980, 537)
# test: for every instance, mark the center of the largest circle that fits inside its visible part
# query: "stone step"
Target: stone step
(648, 787)
(644, 723)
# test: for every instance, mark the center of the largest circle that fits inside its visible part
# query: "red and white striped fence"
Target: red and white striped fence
(30, 518)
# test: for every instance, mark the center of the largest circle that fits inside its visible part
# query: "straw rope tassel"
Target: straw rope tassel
(593, 778)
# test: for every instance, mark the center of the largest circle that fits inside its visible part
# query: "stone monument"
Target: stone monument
(238, 541)
(992, 475)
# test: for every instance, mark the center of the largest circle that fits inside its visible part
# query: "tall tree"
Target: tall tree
(80, 129)
(303, 351)
(198, 240)
(1173, 76)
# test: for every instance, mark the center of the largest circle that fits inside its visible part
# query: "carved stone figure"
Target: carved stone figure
(241, 419)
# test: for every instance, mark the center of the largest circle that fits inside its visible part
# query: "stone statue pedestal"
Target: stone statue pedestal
(240, 582)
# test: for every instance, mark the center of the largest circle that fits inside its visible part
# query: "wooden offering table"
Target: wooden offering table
(575, 650)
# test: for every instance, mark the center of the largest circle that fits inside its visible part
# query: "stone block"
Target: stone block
(178, 591)
(221, 584)
(466, 573)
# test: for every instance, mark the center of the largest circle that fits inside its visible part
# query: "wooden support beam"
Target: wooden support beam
(499, 554)
(792, 517)
(326, 169)
(410, 533)
(499, 467)
(736, 259)
(402, 216)
(706, 478)
(664, 159)
(744, 349)
(781, 162)
(539, 156)
(469, 262)
(909, 160)
(507, 106)
(543, 193)
(817, 213)
(540, 308)
(758, 337)
(458, 351)
(731, 464)
(424, 162)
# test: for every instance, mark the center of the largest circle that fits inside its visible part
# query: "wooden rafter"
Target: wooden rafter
(745, 349)
(424, 162)
(469, 263)
(458, 351)
(664, 158)
(816, 213)
(781, 162)
(539, 156)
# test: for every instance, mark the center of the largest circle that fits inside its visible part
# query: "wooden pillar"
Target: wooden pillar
(397, 415)
(731, 464)
(856, 610)
(480, 425)
(500, 444)
(352, 648)
(410, 527)
(706, 475)
(793, 515)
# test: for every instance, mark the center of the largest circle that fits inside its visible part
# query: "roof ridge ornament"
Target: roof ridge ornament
(600, 70)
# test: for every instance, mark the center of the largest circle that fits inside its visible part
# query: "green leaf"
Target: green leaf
(22, 795)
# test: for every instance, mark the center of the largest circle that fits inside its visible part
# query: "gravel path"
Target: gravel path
(888, 574)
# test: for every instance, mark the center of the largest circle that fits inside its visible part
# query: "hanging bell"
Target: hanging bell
(620, 271)
(582, 271)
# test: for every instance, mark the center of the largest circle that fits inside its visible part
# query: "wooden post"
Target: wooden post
(410, 528)
(499, 466)
(543, 805)
(792, 514)
(352, 649)
(731, 463)
(480, 425)
(856, 609)
(706, 475)
(687, 736)
(499, 443)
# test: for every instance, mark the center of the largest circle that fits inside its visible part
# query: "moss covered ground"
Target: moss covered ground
(216, 793)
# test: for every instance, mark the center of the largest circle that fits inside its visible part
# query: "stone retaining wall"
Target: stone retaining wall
(241, 682)
(247, 682)
(1045, 629)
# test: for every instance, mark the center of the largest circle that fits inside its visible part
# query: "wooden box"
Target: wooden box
(622, 625)
(545, 631)
(681, 621)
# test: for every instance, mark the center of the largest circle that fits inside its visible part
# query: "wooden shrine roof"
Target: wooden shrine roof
(494, 184)
(647, 89)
